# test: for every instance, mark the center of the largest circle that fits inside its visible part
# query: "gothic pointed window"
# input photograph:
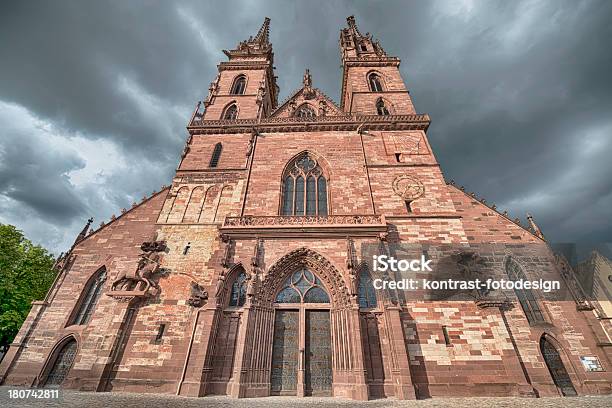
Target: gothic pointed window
(304, 188)
(239, 85)
(305, 111)
(62, 364)
(302, 286)
(90, 298)
(231, 112)
(381, 108)
(367, 295)
(238, 294)
(528, 302)
(216, 155)
(375, 84)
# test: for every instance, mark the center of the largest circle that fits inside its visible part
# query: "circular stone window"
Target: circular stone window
(408, 187)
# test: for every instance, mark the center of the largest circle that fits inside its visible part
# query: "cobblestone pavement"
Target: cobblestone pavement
(130, 400)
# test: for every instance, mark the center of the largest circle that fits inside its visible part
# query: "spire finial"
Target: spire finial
(536, 230)
(307, 79)
(83, 232)
(263, 35)
(353, 25)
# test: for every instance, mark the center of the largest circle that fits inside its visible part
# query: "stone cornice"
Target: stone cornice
(320, 123)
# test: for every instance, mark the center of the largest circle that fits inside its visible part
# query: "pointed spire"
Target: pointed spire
(83, 232)
(263, 35)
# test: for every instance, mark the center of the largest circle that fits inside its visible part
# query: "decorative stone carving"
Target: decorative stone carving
(249, 221)
(154, 246)
(322, 108)
(198, 295)
(408, 187)
(139, 282)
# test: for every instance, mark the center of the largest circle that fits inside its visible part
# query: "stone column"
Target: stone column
(400, 364)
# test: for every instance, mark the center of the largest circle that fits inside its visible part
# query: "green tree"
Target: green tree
(26, 273)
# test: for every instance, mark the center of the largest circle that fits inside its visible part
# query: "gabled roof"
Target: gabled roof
(313, 97)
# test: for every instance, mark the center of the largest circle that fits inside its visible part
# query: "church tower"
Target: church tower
(371, 80)
(245, 87)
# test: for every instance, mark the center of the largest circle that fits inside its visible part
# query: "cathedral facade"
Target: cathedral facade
(249, 275)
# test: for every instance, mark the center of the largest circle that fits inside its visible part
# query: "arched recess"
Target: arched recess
(305, 111)
(375, 81)
(88, 299)
(230, 112)
(194, 207)
(370, 321)
(299, 258)
(59, 362)
(527, 299)
(223, 204)
(305, 186)
(239, 85)
(558, 363)
(228, 326)
(180, 204)
(383, 107)
(207, 214)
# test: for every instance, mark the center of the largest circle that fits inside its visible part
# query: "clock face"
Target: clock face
(408, 187)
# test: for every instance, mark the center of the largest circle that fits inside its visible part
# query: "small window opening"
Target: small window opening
(187, 248)
(160, 332)
(363, 47)
(446, 336)
(398, 156)
(408, 205)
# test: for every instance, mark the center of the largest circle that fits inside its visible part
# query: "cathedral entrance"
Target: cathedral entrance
(301, 351)
(556, 368)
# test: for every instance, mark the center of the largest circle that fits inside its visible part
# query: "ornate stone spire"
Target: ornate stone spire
(263, 35)
(354, 44)
(83, 232)
(258, 44)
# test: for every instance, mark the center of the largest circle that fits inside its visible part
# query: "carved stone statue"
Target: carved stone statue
(148, 265)
(198, 296)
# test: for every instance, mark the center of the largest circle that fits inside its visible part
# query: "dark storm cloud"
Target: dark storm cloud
(518, 93)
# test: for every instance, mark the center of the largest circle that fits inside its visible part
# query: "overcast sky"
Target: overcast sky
(95, 97)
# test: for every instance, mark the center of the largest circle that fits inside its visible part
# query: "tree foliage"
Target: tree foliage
(26, 273)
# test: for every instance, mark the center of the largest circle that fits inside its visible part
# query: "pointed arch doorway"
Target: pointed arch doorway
(557, 369)
(302, 350)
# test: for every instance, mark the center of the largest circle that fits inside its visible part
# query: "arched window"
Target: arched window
(381, 108)
(374, 81)
(214, 159)
(304, 188)
(528, 302)
(231, 112)
(238, 295)
(367, 295)
(305, 111)
(302, 286)
(239, 85)
(90, 298)
(61, 365)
